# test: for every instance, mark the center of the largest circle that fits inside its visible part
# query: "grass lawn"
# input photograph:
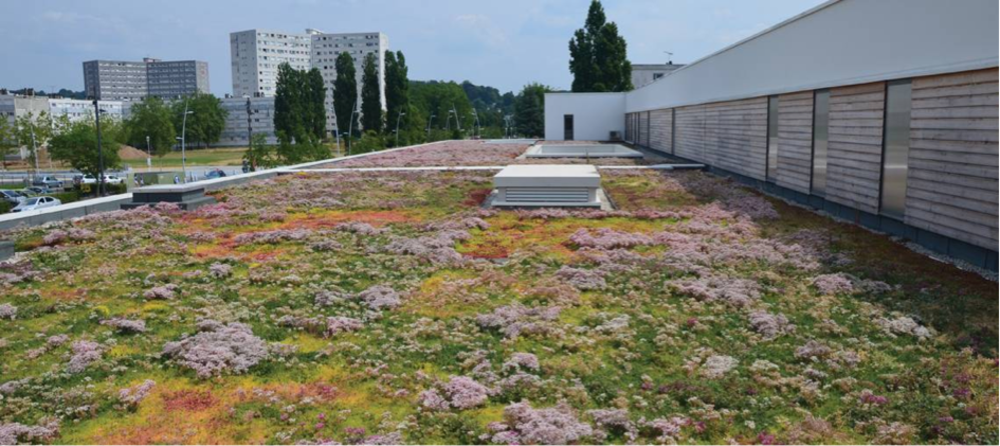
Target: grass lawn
(230, 156)
(389, 308)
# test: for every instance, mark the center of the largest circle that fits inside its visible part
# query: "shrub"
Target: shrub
(526, 425)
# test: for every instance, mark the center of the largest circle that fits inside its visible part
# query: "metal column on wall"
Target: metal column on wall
(772, 138)
(673, 130)
(821, 139)
(896, 148)
(649, 128)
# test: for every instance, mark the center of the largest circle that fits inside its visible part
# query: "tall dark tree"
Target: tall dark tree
(345, 93)
(598, 55)
(152, 119)
(206, 121)
(286, 101)
(372, 115)
(316, 103)
(300, 115)
(397, 89)
(529, 110)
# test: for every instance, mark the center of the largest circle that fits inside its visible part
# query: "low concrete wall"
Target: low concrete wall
(63, 212)
(114, 203)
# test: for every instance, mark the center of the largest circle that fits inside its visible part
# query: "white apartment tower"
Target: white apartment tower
(327, 47)
(256, 55)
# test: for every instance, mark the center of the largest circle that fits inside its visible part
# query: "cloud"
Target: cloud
(483, 29)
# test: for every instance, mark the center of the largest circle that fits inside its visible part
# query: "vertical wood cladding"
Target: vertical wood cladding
(690, 128)
(729, 135)
(952, 180)
(661, 128)
(855, 147)
(642, 133)
(795, 138)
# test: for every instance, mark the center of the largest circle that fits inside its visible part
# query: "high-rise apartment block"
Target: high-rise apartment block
(327, 47)
(114, 80)
(256, 55)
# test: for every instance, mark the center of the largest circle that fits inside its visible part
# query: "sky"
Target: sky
(501, 43)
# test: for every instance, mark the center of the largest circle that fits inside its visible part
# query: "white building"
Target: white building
(327, 47)
(256, 55)
(882, 113)
(80, 110)
(16, 106)
(645, 74)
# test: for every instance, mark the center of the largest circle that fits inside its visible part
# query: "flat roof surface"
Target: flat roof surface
(581, 151)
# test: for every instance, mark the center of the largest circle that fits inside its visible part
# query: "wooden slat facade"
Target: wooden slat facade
(690, 128)
(855, 146)
(643, 132)
(953, 161)
(795, 141)
(738, 132)
(952, 177)
(728, 135)
(661, 130)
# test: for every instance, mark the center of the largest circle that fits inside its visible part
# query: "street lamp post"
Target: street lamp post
(458, 124)
(100, 151)
(183, 139)
(429, 121)
(149, 156)
(475, 131)
(34, 150)
(401, 114)
(350, 127)
(249, 123)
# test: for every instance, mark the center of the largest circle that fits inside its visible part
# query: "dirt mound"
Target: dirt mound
(131, 153)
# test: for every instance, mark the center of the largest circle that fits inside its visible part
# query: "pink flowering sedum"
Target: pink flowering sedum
(8, 311)
(524, 424)
(218, 349)
(85, 353)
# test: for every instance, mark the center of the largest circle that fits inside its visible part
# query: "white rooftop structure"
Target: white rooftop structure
(547, 186)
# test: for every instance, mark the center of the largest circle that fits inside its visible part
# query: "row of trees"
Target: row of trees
(74, 143)
(163, 122)
(414, 112)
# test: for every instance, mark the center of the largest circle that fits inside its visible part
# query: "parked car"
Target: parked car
(213, 174)
(13, 197)
(34, 191)
(113, 179)
(48, 182)
(34, 203)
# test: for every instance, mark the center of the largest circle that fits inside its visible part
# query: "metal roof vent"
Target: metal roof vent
(547, 186)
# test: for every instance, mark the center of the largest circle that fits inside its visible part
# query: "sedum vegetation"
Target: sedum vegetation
(363, 308)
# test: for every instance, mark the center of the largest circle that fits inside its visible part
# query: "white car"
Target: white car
(34, 203)
(112, 179)
(88, 179)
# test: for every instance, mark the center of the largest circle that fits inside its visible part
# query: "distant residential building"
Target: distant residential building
(645, 74)
(131, 81)
(16, 106)
(256, 55)
(81, 110)
(177, 78)
(327, 47)
(237, 128)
